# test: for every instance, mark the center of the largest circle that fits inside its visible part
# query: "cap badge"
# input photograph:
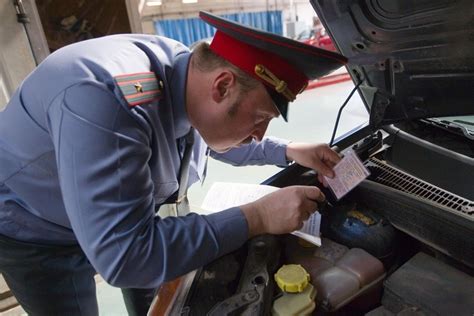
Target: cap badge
(280, 85)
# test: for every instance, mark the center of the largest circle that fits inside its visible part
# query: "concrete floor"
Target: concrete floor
(311, 119)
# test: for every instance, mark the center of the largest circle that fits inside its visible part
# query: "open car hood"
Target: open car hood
(415, 58)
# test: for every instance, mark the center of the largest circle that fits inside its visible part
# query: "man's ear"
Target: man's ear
(222, 85)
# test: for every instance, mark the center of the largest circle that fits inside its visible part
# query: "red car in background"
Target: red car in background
(319, 39)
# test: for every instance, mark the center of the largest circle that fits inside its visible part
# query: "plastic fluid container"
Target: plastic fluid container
(340, 275)
(298, 296)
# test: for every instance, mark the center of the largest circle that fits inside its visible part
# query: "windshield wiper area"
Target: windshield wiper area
(461, 125)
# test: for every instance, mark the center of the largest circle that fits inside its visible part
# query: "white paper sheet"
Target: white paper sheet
(223, 195)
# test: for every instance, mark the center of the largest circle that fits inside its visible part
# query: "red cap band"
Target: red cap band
(246, 57)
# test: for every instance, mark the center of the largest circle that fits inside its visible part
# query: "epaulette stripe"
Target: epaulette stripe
(136, 78)
(143, 99)
(143, 94)
(139, 88)
(151, 84)
(129, 79)
(134, 91)
(131, 89)
(137, 74)
(121, 83)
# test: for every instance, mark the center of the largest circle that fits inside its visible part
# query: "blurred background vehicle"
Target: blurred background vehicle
(317, 36)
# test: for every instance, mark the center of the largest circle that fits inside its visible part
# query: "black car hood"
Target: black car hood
(415, 58)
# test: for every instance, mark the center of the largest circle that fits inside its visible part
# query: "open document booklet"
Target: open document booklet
(223, 195)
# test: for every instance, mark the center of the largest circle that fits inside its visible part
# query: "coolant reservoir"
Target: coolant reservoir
(298, 294)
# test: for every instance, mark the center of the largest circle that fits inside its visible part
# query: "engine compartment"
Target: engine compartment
(372, 239)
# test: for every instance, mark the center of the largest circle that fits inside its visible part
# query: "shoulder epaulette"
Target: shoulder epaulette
(139, 88)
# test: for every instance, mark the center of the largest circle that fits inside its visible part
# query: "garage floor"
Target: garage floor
(311, 119)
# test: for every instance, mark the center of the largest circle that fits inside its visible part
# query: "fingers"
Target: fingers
(332, 164)
(322, 180)
(329, 160)
(325, 170)
(282, 211)
(332, 157)
(314, 194)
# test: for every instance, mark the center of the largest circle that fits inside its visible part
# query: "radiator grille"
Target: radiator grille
(394, 178)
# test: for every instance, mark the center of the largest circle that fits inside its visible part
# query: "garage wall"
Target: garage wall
(16, 58)
(69, 21)
(175, 9)
(190, 30)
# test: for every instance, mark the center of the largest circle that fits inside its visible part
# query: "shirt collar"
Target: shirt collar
(177, 79)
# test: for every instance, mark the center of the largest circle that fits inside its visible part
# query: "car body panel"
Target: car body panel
(416, 60)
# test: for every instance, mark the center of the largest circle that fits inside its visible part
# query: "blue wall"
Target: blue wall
(188, 31)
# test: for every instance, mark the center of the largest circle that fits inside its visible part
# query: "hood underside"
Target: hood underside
(415, 58)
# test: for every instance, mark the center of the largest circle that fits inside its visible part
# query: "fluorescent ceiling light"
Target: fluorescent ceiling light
(190, 1)
(153, 3)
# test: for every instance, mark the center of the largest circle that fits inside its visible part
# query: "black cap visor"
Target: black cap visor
(280, 102)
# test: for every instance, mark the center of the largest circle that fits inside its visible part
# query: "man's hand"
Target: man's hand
(318, 157)
(282, 211)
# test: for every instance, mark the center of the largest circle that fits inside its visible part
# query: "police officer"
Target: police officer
(93, 140)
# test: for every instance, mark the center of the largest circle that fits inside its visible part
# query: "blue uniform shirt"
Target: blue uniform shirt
(79, 164)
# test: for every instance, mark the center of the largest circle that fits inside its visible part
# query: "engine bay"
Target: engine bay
(394, 223)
